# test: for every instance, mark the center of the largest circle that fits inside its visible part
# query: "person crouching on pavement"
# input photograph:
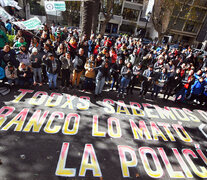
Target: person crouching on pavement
(66, 68)
(11, 74)
(103, 74)
(24, 74)
(126, 73)
(53, 68)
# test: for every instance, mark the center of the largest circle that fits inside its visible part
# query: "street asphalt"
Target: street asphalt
(60, 135)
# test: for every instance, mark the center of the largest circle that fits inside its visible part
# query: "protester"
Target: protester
(36, 62)
(24, 74)
(66, 69)
(102, 75)
(79, 63)
(126, 73)
(124, 63)
(11, 74)
(53, 68)
(89, 73)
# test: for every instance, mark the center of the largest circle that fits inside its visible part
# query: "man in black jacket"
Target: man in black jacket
(148, 76)
(79, 63)
(53, 68)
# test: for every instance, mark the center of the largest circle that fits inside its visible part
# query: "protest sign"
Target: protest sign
(31, 24)
(11, 3)
(4, 15)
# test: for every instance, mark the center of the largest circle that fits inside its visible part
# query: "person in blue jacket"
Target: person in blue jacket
(203, 99)
(196, 90)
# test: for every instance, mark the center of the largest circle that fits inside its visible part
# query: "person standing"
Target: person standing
(148, 76)
(36, 62)
(103, 74)
(79, 63)
(53, 68)
(66, 66)
(126, 73)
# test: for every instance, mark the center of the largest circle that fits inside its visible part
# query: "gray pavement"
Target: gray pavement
(64, 135)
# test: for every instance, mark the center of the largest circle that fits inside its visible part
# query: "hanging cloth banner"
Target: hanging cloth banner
(55, 6)
(11, 3)
(4, 15)
(31, 24)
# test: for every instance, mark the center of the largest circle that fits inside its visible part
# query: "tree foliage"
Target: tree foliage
(72, 13)
(109, 8)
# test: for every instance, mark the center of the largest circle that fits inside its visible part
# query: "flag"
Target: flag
(11, 3)
(31, 24)
(4, 15)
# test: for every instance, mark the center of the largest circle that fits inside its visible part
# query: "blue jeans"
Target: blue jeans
(24, 81)
(10, 81)
(37, 72)
(124, 84)
(88, 83)
(156, 90)
(183, 93)
(52, 78)
(99, 85)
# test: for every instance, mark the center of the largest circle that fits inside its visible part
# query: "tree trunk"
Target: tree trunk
(87, 15)
(96, 10)
(103, 27)
(160, 37)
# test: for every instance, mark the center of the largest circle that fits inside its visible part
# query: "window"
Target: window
(130, 14)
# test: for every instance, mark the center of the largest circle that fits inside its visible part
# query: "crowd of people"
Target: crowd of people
(122, 63)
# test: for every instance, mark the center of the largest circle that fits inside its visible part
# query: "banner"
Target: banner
(55, 6)
(11, 3)
(31, 24)
(4, 15)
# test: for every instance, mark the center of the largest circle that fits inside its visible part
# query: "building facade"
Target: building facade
(187, 21)
(129, 17)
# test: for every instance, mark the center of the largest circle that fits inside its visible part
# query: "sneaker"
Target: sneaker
(111, 89)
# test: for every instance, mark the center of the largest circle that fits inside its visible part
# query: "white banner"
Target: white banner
(54, 13)
(4, 15)
(11, 3)
(31, 24)
(55, 6)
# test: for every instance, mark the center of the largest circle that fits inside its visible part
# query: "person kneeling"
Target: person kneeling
(11, 74)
